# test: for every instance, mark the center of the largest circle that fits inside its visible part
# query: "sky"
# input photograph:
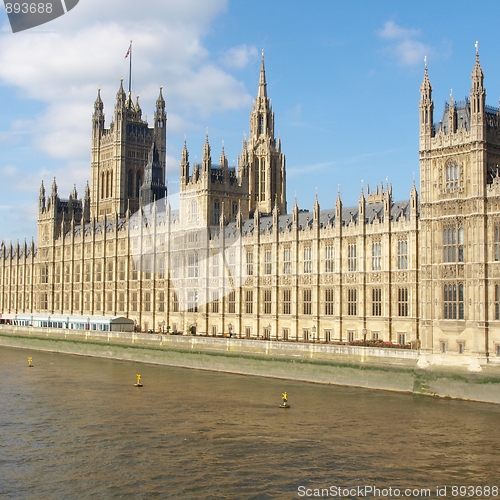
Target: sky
(343, 77)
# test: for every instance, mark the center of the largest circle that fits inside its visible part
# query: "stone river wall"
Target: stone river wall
(401, 370)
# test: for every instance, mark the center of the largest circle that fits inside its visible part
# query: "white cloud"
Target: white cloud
(9, 170)
(393, 31)
(405, 46)
(239, 57)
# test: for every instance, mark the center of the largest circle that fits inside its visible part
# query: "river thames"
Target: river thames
(75, 427)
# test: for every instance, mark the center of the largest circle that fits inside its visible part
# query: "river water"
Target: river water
(74, 427)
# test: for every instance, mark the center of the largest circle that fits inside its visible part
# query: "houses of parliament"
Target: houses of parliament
(233, 259)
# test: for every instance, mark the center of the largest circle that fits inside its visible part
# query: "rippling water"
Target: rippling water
(73, 427)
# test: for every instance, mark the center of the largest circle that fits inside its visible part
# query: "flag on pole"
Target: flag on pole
(128, 51)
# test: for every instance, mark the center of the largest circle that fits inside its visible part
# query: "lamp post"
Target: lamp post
(162, 326)
(269, 332)
(313, 330)
(230, 329)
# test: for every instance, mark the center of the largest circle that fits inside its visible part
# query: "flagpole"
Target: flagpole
(130, 71)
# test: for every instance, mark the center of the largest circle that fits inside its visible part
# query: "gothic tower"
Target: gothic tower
(120, 153)
(262, 155)
(458, 159)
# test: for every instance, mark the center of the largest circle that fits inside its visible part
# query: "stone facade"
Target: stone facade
(231, 260)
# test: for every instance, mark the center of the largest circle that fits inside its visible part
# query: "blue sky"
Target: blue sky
(343, 77)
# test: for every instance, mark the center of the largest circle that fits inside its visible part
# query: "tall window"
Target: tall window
(262, 179)
(175, 302)
(402, 301)
(377, 302)
(287, 261)
(287, 301)
(45, 274)
(351, 302)
(376, 256)
(216, 212)
(97, 302)
(453, 298)
(110, 271)
(130, 184)
(329, 302)
(261, 124)
(77, 274)
(453, 244)
(256, 170)
(268, 265)
(215, 265)
(161, 302)
(307, 303)
(147, 301)
(215, 301)
(403, 254)
(351, 257)
(496, 243)
(192, 301)
(329, 261)
(452, 175)
(232, 302)
(138, 182)
(109, 301)
(267, 302)
(232, 263)
(307, 259)
(193, 265)
(497, 302)
(194, 211)
(249, 262)
(249, 301)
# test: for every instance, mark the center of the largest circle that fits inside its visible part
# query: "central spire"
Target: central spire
(262, 80)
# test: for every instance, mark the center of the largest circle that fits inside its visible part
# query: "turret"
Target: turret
(413, 202)
(86, 204)
(361, 207)
(41, 199)
(207, 160)
(184, 164)
(98, 115)
(53, 195)
(138, 109)
(452, 116)
(426, 111)
(338, 208)
(477, 100)
(223, 160)
(120, 103)
(160, 113)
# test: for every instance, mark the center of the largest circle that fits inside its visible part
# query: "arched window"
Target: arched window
(452, 175)
(256, 170)
(130, 184)
(261, 124)
(138, 183)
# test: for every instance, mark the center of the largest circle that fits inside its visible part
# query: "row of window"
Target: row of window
(453, 302)
(192, 302)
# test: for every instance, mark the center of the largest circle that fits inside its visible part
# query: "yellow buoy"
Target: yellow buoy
(30, 362)
(285, 404)
(138, 384)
